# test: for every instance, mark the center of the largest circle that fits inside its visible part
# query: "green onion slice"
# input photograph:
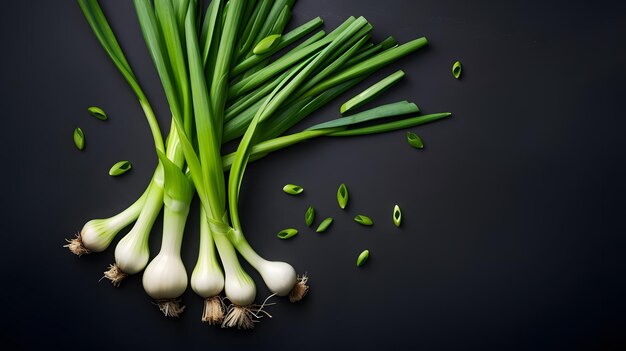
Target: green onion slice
(456, 69)
(362, 258)
(364, 220)
(79, 139)
(371, 93)
(342, 196)
(120, 168)
(414, 140)
(98, 113)
(324, 225)
(397, 216)
(309, 216)
(287, 233)
(293, 189)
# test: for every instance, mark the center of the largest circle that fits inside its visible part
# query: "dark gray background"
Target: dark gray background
(514, 212)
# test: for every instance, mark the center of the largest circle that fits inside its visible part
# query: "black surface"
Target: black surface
(514, 212)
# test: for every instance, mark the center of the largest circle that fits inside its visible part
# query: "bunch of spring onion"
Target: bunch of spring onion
(229, 72)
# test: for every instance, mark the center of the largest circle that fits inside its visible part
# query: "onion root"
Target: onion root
(300, 289)
(76, 246)
(115, 274)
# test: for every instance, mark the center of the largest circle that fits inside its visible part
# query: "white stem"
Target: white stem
(132, 252)
(166, 277)
(239, 287)
(98, 234)
(207, 279)
(280, 277)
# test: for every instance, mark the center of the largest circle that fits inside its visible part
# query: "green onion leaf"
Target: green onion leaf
(293, 189)
(178, 188)
(98, 113)
(414, 140)
(362, 258)
(287, 233)
(388, 110)
(342, 196)
(324, 225)
(79, 139)
(120, 168)
(364, 220)
(456, 70)
(391, 126)
(309, 216)
(266, 44)
(371, 93)
(397, 216)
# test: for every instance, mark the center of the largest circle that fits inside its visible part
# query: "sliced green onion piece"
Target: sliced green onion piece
(414, 140)
(342, 196)
(309, 216)
(383, 111)
(397, 216)
(324, 225)
(120, 168)
(362, 258)
(79, 139)
(287, 233)
(293, 189)
(266, 44)
(372, 92)
(456, 69)
(364, 220)
(98, 113)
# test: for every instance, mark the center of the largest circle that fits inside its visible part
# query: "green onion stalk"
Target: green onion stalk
(219, 89)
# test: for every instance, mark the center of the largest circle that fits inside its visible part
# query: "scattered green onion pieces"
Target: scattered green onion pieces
(79, 139)
(120, 168)
(293, 189)
(456, 69)
(309, 216)
(414, 140)
(324, 225)
(287, 233)
(362, 258)
(342, 196)
(98, 113)
(266, 44)
(397, 216)
(364, 220)
(371, 93)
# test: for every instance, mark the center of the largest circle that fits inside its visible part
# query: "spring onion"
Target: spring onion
(363, 220)
(414, 140)
(363, 256)
(456, 69)
(397, 216)
(221, 84)
(98, 113)
(287, 233)
(120, 168)
(207, 278)
(293, 189)
(371, 93)
(342, 196)
(324, 225)
(309, 216)
(79, 139)
(165, 278)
